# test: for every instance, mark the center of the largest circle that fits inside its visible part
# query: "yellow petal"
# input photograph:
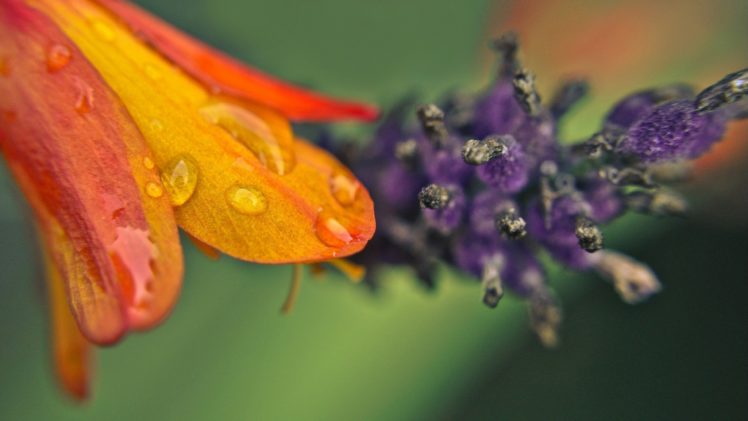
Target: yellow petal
(257, 195)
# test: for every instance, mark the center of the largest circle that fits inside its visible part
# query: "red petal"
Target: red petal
(79, 159)
(219, 71)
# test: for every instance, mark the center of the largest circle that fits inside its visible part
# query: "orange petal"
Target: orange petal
(82, 164)
(223, 73)
(72, 353)
(241, 183)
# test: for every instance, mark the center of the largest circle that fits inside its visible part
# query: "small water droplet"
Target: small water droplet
(148, 163)
(154, 190)
(246, 200)
(58, 56)
(264, 132)
(330, 231)
(151, 71)
(344, 189)
(103, 30)
(85, 99)
(180, 179)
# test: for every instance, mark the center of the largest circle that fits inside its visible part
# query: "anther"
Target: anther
(491, 281)
(568, 95)
(476, 152)
(728, 90)
(511, 225)
(633, 281)
(434, 196)
(660, 202)
(525, 92)
(545, 317)
(432, 123)
(589, 235)
(407, 151)
(507, 46)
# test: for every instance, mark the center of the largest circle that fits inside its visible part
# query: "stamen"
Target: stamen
(434, 196)
(407, 152)
(568, 95)
(728, 90)
(510, 224)
(661, 202)
(432, 123)
(293, 292)
(476, 152)
(491, 281)
(589, 235)
(507, 46)
(545, 317)
(633, 281)
(628, 176)
(525, 92)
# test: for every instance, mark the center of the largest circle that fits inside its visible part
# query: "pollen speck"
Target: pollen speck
(58, 56)
(344, 189)
(103, 30)
(330, 231)
(246, 200)
(154, 190)
(180, 179)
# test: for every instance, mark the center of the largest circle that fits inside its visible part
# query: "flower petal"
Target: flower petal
(217, 70)
(83, 166)
(72, 353)
(241, 183)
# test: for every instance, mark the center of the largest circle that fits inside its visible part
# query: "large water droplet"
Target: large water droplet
(133, 254)
(180, 179)
(58, 56)
(344, 189)
(148, 163)
(330, 231)
(103, 30)
(154, 190)
(246, 200)
(264, 132)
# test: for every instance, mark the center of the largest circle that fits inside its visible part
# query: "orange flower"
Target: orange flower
(118, 128)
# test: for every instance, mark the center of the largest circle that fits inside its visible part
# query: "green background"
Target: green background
(226, 353)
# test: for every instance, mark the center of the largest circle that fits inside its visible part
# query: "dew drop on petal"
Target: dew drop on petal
(344, 189)
(246, 200)
(265, 133)
(84, 101)
(103, 30)
(180, 179)
(330, 231)
(58, 56)
(133, 254)
(148, 163)
(154, 190)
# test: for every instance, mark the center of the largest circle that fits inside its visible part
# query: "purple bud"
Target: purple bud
(397, 186)
(523, 273)
(672, 131)
(498, 112)
(444, 165)
(604, 199)
(637, 105)
(507, 172)
(472, 252)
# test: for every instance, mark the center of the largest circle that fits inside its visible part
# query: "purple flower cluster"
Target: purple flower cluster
(482, 183)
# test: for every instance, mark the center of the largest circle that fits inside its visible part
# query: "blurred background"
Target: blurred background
(405, 353)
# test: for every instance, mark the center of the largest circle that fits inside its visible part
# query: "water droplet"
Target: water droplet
(58, 56)
(265, 133)
(103, 30)
(133, 254)
(344, 189)
(151, 71)
(148, 163)
(180, 178)
(246, 200)
(84, 102)
(154, 190)
(330, 231)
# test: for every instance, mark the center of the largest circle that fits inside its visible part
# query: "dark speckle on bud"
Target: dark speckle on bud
(432, 123)
(568, 95)
(511, 225)
(476, 152)
(433, 196)
(525, 92)
(728, 90)
(589, 235)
